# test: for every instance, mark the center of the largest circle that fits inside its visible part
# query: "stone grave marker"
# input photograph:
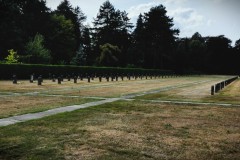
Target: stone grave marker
(59, 80)
(88, 79)
(40, 80)
(75, 79)
(14, 79)
(31, 78)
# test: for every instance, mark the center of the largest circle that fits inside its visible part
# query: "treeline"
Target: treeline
(30, 32)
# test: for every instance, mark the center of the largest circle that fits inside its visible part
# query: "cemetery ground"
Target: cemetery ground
(150, 121)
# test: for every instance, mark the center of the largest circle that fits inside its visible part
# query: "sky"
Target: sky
(208, 17)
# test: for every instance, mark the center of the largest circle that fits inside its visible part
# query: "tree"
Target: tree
(109, 55)
(87, 46)
(112, 26)
(182, 55)
(80, 58)
(21, 20)
(237, 56)
(76, 16)
(159, 38)
(219, 55)
(138, 43)
(197, 52)
(62, 40)
(35, 17)
(10, 32)
(12, 57)
(237, 45)
(36, 52)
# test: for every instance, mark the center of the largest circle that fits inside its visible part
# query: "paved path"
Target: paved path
(32, 116)
(192, 103)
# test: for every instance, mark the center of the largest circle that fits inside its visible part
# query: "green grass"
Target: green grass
(127, 130)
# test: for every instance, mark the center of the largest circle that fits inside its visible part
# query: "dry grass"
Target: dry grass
(200, 93)
(96, 88)
(230, 94)
(128, 130)
(16, 105)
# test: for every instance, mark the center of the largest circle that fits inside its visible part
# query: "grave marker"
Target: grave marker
(59, 80)
(14, 79)
(40, 80)
(212, 90)
(75, 79)
(31, 78)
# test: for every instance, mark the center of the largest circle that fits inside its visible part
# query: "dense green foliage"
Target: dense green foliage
(36, 52)
(12, 57)
(153, 43)
(109, 55)
(23, 71)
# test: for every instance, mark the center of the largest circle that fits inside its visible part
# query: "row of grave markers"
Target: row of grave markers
(219, 86)
(60, 79)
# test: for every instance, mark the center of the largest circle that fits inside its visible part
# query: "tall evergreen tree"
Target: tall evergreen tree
(75, 15)
(111, 26)
(138, 43)
(160, 38)
(61, 41)
(87, 46)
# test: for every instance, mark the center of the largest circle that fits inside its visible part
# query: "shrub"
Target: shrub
(23, 71)
(12, 57)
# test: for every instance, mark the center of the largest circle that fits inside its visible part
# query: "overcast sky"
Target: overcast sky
(208, 17)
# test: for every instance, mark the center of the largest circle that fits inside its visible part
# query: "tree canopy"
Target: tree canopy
(41, 35)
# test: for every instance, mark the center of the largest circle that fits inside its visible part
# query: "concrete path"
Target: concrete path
(192, 103)
(32, 116)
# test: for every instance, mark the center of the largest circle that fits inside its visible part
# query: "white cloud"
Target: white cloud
(134, 11)
(188, 20)
(142, 8)
(171, 2)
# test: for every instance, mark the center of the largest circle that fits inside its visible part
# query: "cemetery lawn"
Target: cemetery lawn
(28, 97)
(231, 94)
(128, 130)
(199, 93)
(17, 105)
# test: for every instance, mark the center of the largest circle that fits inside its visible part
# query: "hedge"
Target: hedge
(23, 71)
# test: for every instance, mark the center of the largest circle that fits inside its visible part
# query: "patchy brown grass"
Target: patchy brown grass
(19, 104)
(128, 130)
(15, 105)
(200, 93)
(116, 89)
(230, 94)
(96, 88)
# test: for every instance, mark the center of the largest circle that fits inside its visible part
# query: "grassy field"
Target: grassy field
(199, 93)
(17, 105)
(28, 97)
(126, 129)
